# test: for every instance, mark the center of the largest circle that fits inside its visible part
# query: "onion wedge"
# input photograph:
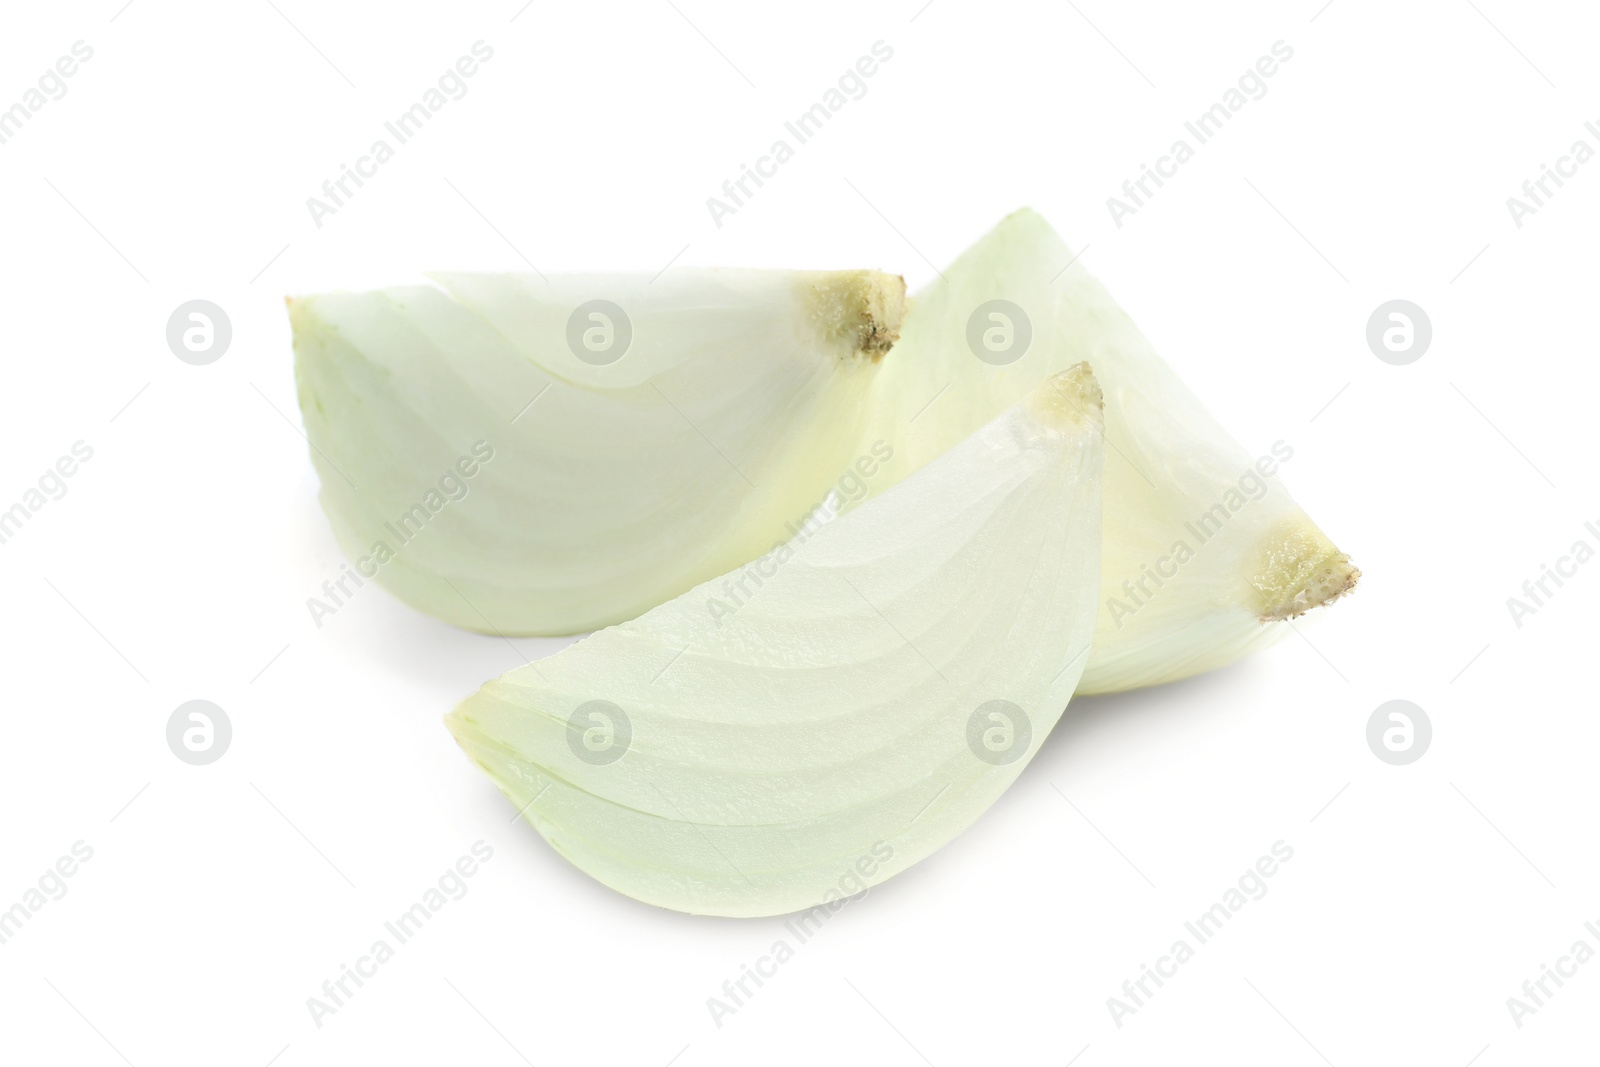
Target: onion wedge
(1206, 555)
(891, 676)
(643, 434)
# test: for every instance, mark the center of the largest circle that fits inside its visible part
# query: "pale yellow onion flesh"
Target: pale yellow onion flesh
(1173, 473)
(603, 502)
(822, 728)
(611, 488)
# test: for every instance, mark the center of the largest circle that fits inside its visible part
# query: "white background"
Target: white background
(178, 564)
